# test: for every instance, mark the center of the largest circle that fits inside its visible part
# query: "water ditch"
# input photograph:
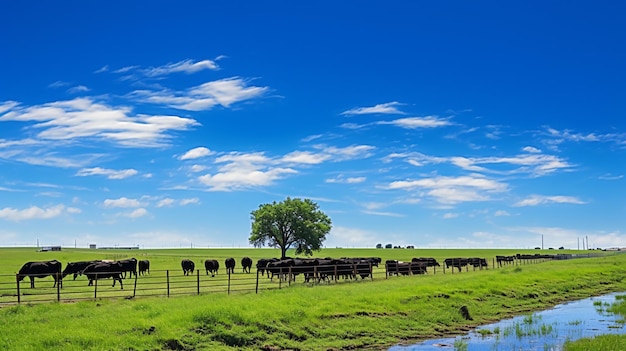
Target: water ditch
(545, 330)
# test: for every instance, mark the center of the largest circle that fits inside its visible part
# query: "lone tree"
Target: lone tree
(291, 223)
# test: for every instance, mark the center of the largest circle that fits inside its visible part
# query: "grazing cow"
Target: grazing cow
(41, 269)
(104, 270)
(246, 263)
(76, 268)
(230, 265)
(188, 266)
(429, 261)
(456, 262)
(211, 266)
(477, 262)
(395, 267)
(261, 265)
(144, 267)
(129, 265)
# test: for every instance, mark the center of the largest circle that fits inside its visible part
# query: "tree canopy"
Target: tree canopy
(292, 223)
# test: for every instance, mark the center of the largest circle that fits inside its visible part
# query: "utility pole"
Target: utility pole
(542, 241)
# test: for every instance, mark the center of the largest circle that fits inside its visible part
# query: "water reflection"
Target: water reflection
(546, 330)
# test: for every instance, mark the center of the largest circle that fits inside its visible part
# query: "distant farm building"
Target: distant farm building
(50, 248)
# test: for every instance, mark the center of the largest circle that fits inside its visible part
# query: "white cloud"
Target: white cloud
(450, 215)
(224, 92)
(190, 201)
(387, 108)
(109, 173)
(165, 202)
(35, 212)
(78, 89)
(137, 213)
(242, 171)
(84, 118)
(534, 164)
(418, 122)
(196, 153)
(531, 149)
(305, 157)
(186, 66)
(535, 200)
(197, 168)
(122, 202)
(501, 213)
(450, 190)
(346, 180)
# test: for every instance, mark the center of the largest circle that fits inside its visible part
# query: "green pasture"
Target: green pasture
(355, 315)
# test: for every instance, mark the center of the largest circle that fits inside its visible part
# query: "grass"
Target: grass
(607, 342)
(364, 314)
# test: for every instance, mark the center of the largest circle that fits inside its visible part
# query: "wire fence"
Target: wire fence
(168, 283)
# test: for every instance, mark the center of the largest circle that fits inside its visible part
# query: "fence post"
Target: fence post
(280, 277)
(371, 272)
(95, 287)
(167, 273)
(228, 281)
(17, 280)
(256, 290)
(198, 280)
(135, 287)
(58, 277)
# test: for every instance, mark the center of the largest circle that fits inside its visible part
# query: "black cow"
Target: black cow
(211, 266)
(477, 262)
(230, 265)
(76, 268)
(457, 262)
(505, 259)
(41, 269)
(429, 261)
(129, 265)
(246, 263)
(104, 270)
(261, 265)
(144, 267)
(188, 266)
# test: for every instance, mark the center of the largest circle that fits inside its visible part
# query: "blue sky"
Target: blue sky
(434, 124)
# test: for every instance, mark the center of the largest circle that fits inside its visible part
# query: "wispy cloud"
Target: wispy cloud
(109, 173)
(194, 153)
(85, 118)
(534, 164)
(386, 108)
(186, 66)
(341, 179)
(78, 89)
(451, 190)
(224, 92)
(35, 212)
(123, 202)
(535, 200)
(418, 122)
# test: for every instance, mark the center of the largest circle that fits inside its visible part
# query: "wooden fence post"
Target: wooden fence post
(17, 280)
(256, 290)
(228, 282)
(167, 273)
(198, 280)
(95, 287)
(135, 287)
(59, 282)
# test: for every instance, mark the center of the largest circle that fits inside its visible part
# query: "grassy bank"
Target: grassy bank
(364, 314)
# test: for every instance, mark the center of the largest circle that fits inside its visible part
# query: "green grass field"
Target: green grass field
(363, 314)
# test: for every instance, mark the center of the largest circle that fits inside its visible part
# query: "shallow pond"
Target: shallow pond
(546, 330)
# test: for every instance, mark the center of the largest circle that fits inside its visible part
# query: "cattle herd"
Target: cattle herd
(312, 269)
